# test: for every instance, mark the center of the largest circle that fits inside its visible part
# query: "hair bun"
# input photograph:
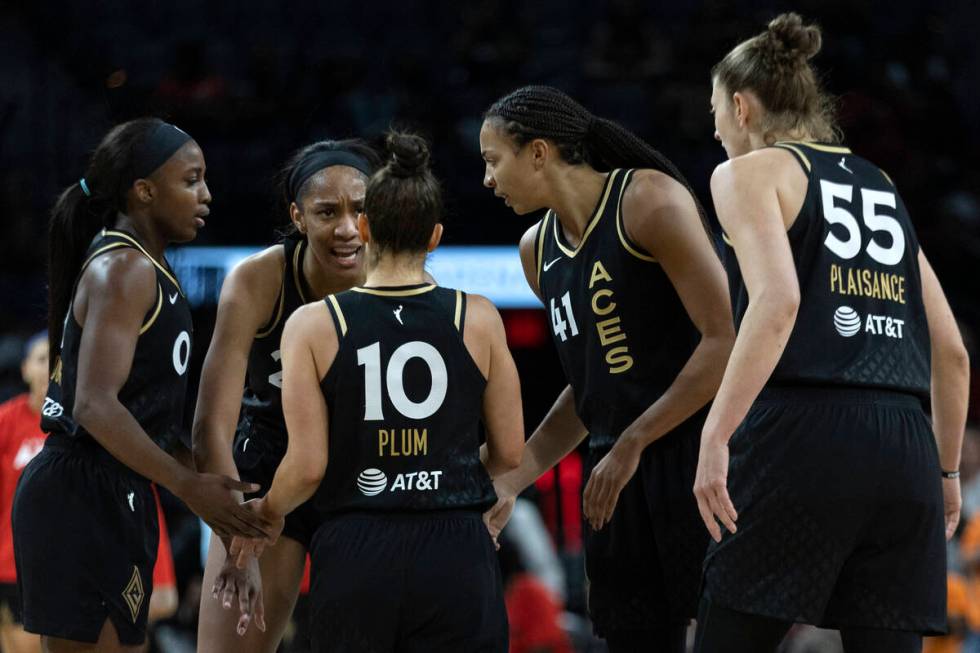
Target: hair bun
(409, 154)
(792, 41)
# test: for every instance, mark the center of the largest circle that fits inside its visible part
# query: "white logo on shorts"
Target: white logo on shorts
(372, 482)
(847, 321)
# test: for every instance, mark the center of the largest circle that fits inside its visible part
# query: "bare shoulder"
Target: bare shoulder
(481, 314)
(125, 271)
(310, 319)
(652, 190)
(256, 279)
(529, 239)
(769, 166)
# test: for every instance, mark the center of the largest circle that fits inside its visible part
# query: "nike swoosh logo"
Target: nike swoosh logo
(173, 298)
(550, 263)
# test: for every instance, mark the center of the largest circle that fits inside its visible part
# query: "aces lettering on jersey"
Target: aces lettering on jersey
(608, 324)
(886, 244)
(397, 440)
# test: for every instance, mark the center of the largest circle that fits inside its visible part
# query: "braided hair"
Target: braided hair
(532, 112)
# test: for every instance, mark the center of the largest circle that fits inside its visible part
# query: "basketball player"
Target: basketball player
(84, 519)
(21, 439)
(638, 303)
(323, 188)
(387, 383)
(838, 490)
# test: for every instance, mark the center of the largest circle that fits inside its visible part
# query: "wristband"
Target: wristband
(955, 474)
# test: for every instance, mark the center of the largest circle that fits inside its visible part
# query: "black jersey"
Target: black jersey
(262, 422)
(155, 391)
(405, 401)
(861, 320)
(621, 331)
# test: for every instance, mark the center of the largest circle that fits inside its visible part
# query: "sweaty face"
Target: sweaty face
(733, 137)
(181, 196)
(34, 368)
(509, 171)
(330, 202)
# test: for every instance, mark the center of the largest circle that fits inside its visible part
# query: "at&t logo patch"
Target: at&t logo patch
(847, 321)
(372, 482)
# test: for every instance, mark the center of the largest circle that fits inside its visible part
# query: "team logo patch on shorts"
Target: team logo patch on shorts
(134, 593)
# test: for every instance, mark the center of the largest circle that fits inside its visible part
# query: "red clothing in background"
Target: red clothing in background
(534, 616)
(21, 438)
(163, 570)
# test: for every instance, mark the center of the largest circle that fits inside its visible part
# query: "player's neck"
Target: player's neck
(319, 282)
(576, 195)
(403, 270)
(154, 243)
(758, 140)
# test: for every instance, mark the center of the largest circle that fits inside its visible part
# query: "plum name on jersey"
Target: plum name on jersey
(608, 324)
(861, 282)
(403, 442)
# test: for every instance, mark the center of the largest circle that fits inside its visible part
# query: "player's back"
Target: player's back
(404, 399)
(861, 320)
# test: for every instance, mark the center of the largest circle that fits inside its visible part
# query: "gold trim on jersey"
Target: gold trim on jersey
(593, 221)
(727, 240)
(836, 149)
(104, 248)
(136, 243)
(339, 313)
(885, 175)
(156, 311)
(459, 307)
(621, 231)
(394, 293)
(275, 320)
(799, 153)
(541, 232)
(297, 262)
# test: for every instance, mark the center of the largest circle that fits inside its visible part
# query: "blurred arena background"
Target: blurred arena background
(252, 81)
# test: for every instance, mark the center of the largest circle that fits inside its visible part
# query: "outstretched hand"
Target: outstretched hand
(244, 548)
(246, 585)
(215, 499)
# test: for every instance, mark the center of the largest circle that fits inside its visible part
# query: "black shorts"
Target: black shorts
(85, 541)
(9, 605)
(258, 464)
(644, 566)
(840, 513)
(426, 582)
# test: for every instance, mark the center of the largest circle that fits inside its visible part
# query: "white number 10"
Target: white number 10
(370, 358)
(871, 199)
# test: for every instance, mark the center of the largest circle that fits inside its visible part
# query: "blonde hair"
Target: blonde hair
(775, 65)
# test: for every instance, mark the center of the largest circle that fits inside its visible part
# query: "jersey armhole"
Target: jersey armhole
(273, 322)
(798, 155)
(459, 315)
(539, 245)
(337, 314)
(155, 312)
(629, 245)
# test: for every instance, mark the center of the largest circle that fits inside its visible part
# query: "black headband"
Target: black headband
(159, 145)
(320, 160)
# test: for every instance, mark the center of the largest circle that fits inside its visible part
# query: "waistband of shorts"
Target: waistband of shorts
(406, 515)
(85, 446)
(823, 394)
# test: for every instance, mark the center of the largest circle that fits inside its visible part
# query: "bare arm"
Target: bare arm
(744, 191)
(748, 208)
(247, 301)
(502, 411)
(114, 295)
(309, 345)
(660, 215)
(950, 386)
